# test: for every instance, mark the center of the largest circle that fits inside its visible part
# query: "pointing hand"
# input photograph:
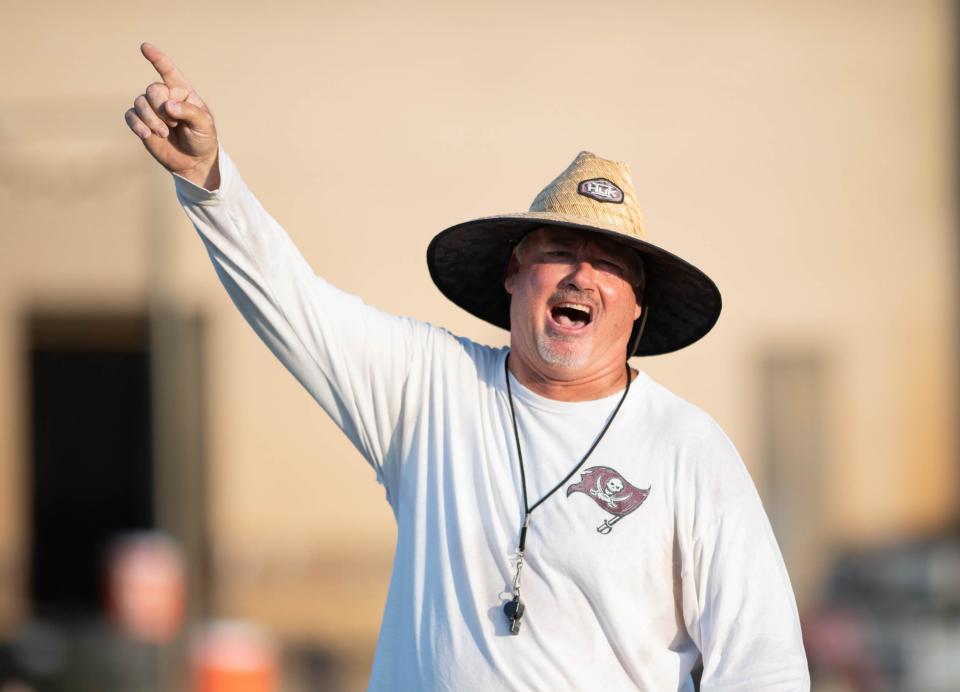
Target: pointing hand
(175, 124)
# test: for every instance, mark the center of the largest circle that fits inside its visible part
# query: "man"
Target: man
(563, 521)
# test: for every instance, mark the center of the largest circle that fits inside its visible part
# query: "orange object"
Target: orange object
(234, 657)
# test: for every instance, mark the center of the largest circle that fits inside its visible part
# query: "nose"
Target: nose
(582, 276)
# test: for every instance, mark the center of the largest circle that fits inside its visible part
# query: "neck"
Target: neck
(561, 385)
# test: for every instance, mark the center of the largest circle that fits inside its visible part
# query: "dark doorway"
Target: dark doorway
(91, 465)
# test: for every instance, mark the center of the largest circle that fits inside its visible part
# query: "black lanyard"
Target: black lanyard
(514, 609)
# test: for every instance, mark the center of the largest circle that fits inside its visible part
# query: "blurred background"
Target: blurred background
(177, 514)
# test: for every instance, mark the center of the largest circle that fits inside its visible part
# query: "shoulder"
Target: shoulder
(684, 425)
(707, 472)
(672, 413)
(456, 357)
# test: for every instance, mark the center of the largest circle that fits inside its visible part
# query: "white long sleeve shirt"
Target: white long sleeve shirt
(623, 590)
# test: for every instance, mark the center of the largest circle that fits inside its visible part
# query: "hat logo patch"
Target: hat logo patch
(601, 190)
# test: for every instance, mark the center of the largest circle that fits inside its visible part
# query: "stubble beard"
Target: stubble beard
(562, 352)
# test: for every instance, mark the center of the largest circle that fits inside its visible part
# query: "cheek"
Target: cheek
(533, 285)
(522, 298)
(622, 301)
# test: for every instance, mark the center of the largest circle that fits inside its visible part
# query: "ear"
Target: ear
(513, 266)
(638, 291)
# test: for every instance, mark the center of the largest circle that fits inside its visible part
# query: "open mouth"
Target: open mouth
(571, 315)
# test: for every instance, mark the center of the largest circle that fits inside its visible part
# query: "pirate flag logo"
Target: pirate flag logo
(611, 491)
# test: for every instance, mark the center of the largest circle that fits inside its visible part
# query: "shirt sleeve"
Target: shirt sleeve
(738, 604)
(354, 360)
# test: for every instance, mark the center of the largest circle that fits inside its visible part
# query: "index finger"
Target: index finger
(164, 66)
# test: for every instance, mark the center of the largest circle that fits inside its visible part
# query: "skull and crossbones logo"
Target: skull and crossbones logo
(608, 491)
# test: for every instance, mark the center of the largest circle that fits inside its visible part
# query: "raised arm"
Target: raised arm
(353, 359)
(175, 124)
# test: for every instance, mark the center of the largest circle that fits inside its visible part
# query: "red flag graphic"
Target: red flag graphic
(609, 490)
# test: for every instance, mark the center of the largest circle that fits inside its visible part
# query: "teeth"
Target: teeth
(575, 306)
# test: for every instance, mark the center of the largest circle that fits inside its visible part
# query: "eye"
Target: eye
(558, 254)
(610, 266)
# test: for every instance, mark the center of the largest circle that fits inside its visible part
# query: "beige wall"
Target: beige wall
(798, 152)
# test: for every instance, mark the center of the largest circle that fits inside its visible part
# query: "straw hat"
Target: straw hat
(468, 262)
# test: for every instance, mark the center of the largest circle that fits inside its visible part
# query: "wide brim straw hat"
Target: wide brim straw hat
(468, 262)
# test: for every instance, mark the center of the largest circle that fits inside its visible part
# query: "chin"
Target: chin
(562, 354)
